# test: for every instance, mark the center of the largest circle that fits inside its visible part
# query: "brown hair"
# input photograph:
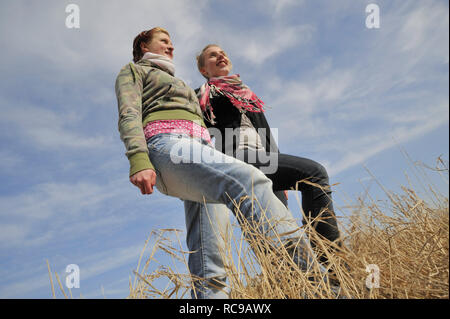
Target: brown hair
(201, 59)
(144, 37)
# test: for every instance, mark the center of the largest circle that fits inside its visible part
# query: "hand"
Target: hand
(144, 180)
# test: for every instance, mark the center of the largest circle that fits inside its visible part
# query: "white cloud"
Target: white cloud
(380, 142)
(422, 30)
(47, 129)
(282, 5)
(13, 232)
(261, 45)
(102, 261)
(389, 93)
(91, 264)
(318, 94)
(46, 211)
(356, 149)
(101, 43)
(10, 161)
(257, 45)
(24, 286)
(49, 211)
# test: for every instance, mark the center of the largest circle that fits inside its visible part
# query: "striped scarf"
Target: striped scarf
(232, 87)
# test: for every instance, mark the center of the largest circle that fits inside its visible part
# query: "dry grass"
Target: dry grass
(404, 237)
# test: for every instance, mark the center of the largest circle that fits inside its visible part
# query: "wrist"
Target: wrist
(139, 162)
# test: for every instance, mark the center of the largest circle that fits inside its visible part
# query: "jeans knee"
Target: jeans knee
(259, 177)
(321, 174)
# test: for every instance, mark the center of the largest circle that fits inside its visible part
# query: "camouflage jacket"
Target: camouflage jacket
(146, 93)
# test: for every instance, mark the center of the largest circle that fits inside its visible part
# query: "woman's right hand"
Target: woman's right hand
(144, 180)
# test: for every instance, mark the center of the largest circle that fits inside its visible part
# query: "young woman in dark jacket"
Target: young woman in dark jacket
(234, 115)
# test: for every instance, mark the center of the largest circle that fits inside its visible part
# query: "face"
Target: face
(160, 44)
(216, 62)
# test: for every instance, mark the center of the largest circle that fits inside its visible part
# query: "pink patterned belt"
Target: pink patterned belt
(178, 127)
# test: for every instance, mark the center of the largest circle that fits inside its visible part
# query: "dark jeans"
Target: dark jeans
(315, 200)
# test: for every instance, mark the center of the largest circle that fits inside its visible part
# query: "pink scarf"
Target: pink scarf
(232, 87)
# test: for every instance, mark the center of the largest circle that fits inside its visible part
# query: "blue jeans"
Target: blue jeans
(194, 171)
(208, 227)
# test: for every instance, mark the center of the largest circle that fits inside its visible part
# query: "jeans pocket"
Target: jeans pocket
(154, 142)
(163, 143)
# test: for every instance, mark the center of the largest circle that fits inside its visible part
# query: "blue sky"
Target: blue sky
(342, 94)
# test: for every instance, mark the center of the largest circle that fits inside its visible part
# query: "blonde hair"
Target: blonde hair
(145, 37)
(201, 58)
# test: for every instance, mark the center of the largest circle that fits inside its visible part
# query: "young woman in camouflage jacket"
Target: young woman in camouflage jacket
(168, 146)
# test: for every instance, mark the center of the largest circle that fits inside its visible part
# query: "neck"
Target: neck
(162, 61)
(224, 77)
(151, 55)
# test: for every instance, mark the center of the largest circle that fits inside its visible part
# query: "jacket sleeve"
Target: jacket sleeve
(129, 88)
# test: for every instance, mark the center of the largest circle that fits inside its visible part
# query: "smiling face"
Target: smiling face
(215, 62)
(160, 44)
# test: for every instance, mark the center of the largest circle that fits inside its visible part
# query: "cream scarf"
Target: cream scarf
(162, 61)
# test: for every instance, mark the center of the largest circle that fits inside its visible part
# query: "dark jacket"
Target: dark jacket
(228, 116)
